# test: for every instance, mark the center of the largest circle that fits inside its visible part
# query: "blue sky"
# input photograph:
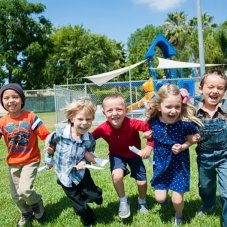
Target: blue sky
(117, 19)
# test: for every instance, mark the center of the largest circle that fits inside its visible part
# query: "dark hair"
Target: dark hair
(214, 73)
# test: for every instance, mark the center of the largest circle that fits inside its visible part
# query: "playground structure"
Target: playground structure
(149, 86)
(136, 93)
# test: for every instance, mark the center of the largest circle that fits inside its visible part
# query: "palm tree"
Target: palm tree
(174, 26)
(206, 22)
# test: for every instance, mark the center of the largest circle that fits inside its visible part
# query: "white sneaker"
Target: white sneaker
(124, 210)
(142, 208)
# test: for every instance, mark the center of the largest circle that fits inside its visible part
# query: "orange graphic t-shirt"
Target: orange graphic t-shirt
(21, 137)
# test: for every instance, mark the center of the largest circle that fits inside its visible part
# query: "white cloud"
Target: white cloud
(160, 5)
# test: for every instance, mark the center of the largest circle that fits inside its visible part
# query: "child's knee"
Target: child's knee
(117, 175)
(177, 198)
(160, 196)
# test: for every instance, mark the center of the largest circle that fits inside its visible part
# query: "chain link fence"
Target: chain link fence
(132, 91)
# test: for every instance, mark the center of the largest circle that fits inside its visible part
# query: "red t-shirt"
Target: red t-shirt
(21, 137)
(120, 139)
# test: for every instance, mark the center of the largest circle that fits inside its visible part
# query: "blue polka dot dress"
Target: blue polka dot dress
(171, 172)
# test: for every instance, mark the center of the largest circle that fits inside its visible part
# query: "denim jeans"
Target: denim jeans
(212, 163)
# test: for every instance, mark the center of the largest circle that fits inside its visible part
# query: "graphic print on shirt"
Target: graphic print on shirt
(18, 136)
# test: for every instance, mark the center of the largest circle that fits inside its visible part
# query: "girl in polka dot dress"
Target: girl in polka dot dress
(170, 117)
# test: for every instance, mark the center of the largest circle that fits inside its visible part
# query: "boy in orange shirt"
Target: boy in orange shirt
(20, 130)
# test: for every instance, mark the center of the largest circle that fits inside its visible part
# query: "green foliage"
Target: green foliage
(24, 43)
(138, 44)
(78, 53)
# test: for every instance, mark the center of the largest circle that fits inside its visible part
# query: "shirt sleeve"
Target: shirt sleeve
(50, 140)
(90, 145)
(40, 128)
(97, 132)
(190, 128)
(143, 126)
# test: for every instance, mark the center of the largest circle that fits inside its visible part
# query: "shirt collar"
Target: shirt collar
(67, 133)
(219, 107)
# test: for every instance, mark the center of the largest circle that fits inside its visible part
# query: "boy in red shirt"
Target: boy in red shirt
(20, 130)
(120, 132)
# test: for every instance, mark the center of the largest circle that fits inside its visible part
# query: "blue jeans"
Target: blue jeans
(212, 163)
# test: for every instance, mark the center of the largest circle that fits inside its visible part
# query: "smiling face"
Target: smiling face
(115, 111)
(170, 109)
(81, 122)
(12, 102)
(213, 91)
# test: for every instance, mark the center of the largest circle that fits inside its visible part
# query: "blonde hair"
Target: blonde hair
(77, 105)
(113, 96)
(188, 111)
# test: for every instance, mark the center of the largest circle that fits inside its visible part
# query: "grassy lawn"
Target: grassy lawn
(59, 212)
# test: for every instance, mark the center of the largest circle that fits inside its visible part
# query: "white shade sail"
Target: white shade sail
(170, 64)
(102, 78)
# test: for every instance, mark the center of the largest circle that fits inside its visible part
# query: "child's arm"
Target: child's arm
(145, 152)
(49, 157)
(191, 139)
(90, 157)
(147, 134)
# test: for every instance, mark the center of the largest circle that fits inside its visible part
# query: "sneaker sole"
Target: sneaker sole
(125, 216)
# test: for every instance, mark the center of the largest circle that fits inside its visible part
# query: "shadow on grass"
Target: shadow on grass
(108, 214)
(54, 210)
(190, 211)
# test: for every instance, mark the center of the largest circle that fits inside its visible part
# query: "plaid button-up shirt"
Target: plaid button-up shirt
(68, 153)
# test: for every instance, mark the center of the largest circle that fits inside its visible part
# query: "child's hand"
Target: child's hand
(147, 134)
(192, 139)
(196, 138)
(80, 165)
(50, 149)
(49, 166)
(177, 148)
(145, 152)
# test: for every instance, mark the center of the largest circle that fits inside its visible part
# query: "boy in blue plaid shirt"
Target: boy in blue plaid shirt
(74, 147)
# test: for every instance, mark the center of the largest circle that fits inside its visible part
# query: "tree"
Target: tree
(25, 43)
(175, 27)
(222, 38)
(79, 53)
(138, 44)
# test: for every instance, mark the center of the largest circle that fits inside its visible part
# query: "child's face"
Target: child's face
(170, 109)
(82, 122)
(115, 111)
(213, 90)
(12, 102)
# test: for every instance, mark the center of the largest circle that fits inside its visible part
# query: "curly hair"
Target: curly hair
(188, 112)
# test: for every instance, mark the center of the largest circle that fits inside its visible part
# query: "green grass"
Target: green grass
(59, 212)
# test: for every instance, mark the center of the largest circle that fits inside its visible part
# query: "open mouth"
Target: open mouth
(214, 98)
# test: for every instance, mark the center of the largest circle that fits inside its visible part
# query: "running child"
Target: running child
(170, 116)
(74, 146)
(21, 129)
(212, 148)
(120, 132)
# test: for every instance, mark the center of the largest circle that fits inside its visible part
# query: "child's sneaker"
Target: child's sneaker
(204, 211)
(178, 221)
(38, 210)
(142, 208)
(26, 220)
(124, 210)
